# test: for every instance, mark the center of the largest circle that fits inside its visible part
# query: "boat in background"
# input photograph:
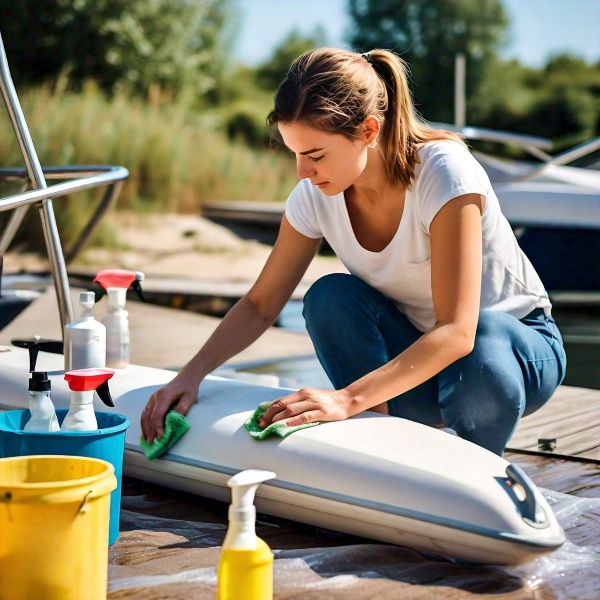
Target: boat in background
(553, 208)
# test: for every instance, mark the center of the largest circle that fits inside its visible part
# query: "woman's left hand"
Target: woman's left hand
(307, 406)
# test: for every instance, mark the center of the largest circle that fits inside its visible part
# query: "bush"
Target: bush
(176, 159)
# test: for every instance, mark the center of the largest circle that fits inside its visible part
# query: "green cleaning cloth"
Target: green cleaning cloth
(279, 428)
(175, 426)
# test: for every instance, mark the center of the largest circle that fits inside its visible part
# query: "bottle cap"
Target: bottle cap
(39, 382)
(243, 488)
(87, 297)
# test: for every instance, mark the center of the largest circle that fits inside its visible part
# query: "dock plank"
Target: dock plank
(572, 416)
(569, 411)
(580, 441)
(593, 454)
(560, 431)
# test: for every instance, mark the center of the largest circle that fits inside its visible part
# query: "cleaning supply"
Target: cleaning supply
(83, 383)
(176, 425)
(43, 415)
(279, 428)
(116, 282)
(106, 443)
(245, 569)
(85, 338)
(54, 524)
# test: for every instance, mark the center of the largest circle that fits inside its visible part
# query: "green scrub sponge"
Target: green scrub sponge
(175, 426)
(279, 428)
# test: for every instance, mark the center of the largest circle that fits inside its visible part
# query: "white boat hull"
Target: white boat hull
(375, 476)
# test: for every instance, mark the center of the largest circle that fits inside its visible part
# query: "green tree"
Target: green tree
(142, 45)
(559, 101)
(428, 34)
(270, 74)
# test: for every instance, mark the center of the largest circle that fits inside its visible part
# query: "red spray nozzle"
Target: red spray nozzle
(119, 278)
(87, 380)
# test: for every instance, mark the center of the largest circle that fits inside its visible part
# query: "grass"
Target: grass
(177, 159)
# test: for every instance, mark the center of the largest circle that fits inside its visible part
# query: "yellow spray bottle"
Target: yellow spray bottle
(246, 565)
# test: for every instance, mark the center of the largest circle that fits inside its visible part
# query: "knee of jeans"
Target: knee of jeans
(325, 294)
(479, 384)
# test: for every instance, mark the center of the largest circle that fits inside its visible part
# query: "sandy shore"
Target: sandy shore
(173, 245)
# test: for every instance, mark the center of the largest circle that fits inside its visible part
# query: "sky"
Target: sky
(539, 28)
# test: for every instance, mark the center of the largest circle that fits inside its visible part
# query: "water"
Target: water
(580, 330)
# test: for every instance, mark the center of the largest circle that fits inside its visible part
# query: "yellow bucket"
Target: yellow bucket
(54, 515)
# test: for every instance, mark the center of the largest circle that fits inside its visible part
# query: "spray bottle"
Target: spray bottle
(246, 565)
(85, 338)
(116, 282)
(83, 383)
(43, 415)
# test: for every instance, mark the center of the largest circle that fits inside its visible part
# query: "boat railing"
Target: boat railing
(85, 174)
(36, 191)
(563, 158)
(534, 145)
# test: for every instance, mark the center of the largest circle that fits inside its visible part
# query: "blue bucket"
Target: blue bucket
(106, 443)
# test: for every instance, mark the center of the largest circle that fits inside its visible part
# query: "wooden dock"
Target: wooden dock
(568, 426)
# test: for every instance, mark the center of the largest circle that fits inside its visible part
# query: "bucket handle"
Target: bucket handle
(84, 503)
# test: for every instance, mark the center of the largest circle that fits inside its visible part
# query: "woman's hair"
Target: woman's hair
(335, 90)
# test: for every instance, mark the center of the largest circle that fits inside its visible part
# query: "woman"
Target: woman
(442, 319)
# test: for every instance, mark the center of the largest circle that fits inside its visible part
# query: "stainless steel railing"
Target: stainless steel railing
(84, 178)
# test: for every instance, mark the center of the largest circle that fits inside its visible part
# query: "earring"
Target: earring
(373, 144)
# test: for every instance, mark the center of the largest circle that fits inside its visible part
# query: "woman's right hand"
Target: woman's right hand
(179, 394)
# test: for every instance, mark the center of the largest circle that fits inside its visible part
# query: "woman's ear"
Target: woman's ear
(371, 130)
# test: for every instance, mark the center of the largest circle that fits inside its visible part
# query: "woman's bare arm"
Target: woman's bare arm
(241, 326)
(456, 262)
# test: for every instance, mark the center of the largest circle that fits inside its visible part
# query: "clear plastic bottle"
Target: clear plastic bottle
(85, 338)
(43, 415)
(117, 329)
(246, 565)
(116, 282)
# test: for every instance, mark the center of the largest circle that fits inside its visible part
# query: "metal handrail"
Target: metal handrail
(55, 172)
(62, 172)
(112, 175)
(42, 194)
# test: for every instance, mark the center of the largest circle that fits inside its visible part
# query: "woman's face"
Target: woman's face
(332, 162)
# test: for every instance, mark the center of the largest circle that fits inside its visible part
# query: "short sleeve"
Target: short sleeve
(301, 212)
(448, 170)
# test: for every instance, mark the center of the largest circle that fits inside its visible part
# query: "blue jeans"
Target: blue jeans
(514, 368)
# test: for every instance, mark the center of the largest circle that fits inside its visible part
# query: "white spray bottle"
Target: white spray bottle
(246, 565)
(85, 338)
(116, 282)
(43, 415)
(83, 383)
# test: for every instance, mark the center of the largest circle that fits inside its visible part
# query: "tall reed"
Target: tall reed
(177, 158)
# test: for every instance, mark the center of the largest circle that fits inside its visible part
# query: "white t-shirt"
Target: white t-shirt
(402, 270)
